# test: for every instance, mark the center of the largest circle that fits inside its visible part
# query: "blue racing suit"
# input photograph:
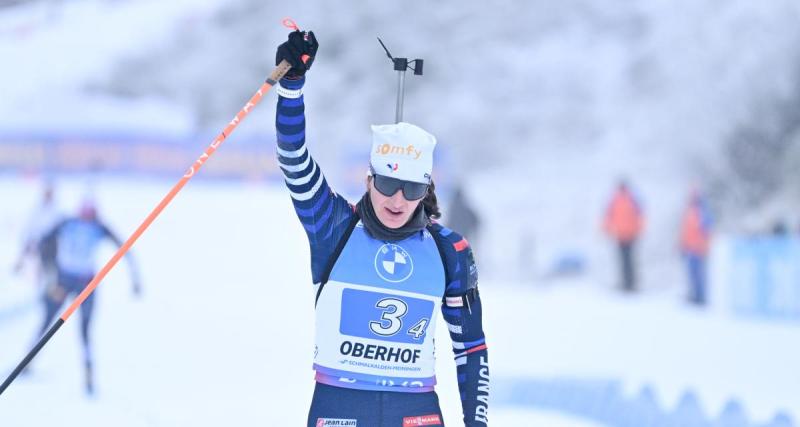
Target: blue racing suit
(377, 301)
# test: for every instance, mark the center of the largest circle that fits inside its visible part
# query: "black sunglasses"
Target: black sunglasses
(388, 186)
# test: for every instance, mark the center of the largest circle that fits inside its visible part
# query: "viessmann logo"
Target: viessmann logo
(423, 420)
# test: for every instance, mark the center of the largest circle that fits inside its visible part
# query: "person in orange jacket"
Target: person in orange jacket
(624, 222)
(695, 240)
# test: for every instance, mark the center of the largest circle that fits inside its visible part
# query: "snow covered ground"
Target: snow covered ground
(223, 333)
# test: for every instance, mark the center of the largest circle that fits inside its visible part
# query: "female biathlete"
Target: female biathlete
(382, 269)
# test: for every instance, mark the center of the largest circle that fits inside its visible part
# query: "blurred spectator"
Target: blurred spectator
(462, 217)
(75, 240)
(527, 255)
(779, 229)
(695, 239)
(42, 219)
(624, 222)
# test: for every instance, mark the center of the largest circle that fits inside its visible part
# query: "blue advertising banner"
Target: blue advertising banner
(765, 276)
(252, 158)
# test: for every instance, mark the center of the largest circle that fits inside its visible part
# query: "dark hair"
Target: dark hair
(431, 204)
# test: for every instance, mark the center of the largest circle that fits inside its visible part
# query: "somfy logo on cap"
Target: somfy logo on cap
(403, 151)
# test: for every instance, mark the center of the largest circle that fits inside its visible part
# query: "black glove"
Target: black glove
(299, 44)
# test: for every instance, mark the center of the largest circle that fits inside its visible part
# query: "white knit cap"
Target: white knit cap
(402, 151)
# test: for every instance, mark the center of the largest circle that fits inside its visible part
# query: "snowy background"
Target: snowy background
(539, 108)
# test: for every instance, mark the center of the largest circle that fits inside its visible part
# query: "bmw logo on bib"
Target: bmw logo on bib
(393, 263)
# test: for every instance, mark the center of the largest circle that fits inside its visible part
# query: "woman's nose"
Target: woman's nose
(398, 197)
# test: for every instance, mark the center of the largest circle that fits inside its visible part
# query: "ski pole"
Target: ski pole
(401, 79)
(273, 78)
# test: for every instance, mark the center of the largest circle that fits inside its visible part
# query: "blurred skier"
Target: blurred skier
(381, 269)
(624, 222)
(461, 216)
(40, 221)
(76, 240)
(695, 239)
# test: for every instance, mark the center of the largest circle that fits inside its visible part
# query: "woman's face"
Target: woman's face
(394, 211)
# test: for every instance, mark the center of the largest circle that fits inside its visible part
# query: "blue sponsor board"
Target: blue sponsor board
(607, 403)
(250, 157)
(765, 277)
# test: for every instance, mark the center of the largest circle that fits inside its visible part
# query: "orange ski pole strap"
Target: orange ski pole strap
(279, 71)
(290, 24)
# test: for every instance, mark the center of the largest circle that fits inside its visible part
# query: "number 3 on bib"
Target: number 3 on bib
(391, 319)
(394, 310)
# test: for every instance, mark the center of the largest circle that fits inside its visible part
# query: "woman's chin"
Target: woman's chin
(393, 222)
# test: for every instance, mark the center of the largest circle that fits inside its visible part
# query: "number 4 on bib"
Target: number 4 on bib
(417, 330)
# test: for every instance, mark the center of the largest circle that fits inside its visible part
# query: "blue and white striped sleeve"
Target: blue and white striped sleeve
(462, 311)
(324, 214)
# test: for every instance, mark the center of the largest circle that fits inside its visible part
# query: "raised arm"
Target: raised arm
(324, 214)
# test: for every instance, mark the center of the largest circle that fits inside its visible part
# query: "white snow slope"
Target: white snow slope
(223, 333)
